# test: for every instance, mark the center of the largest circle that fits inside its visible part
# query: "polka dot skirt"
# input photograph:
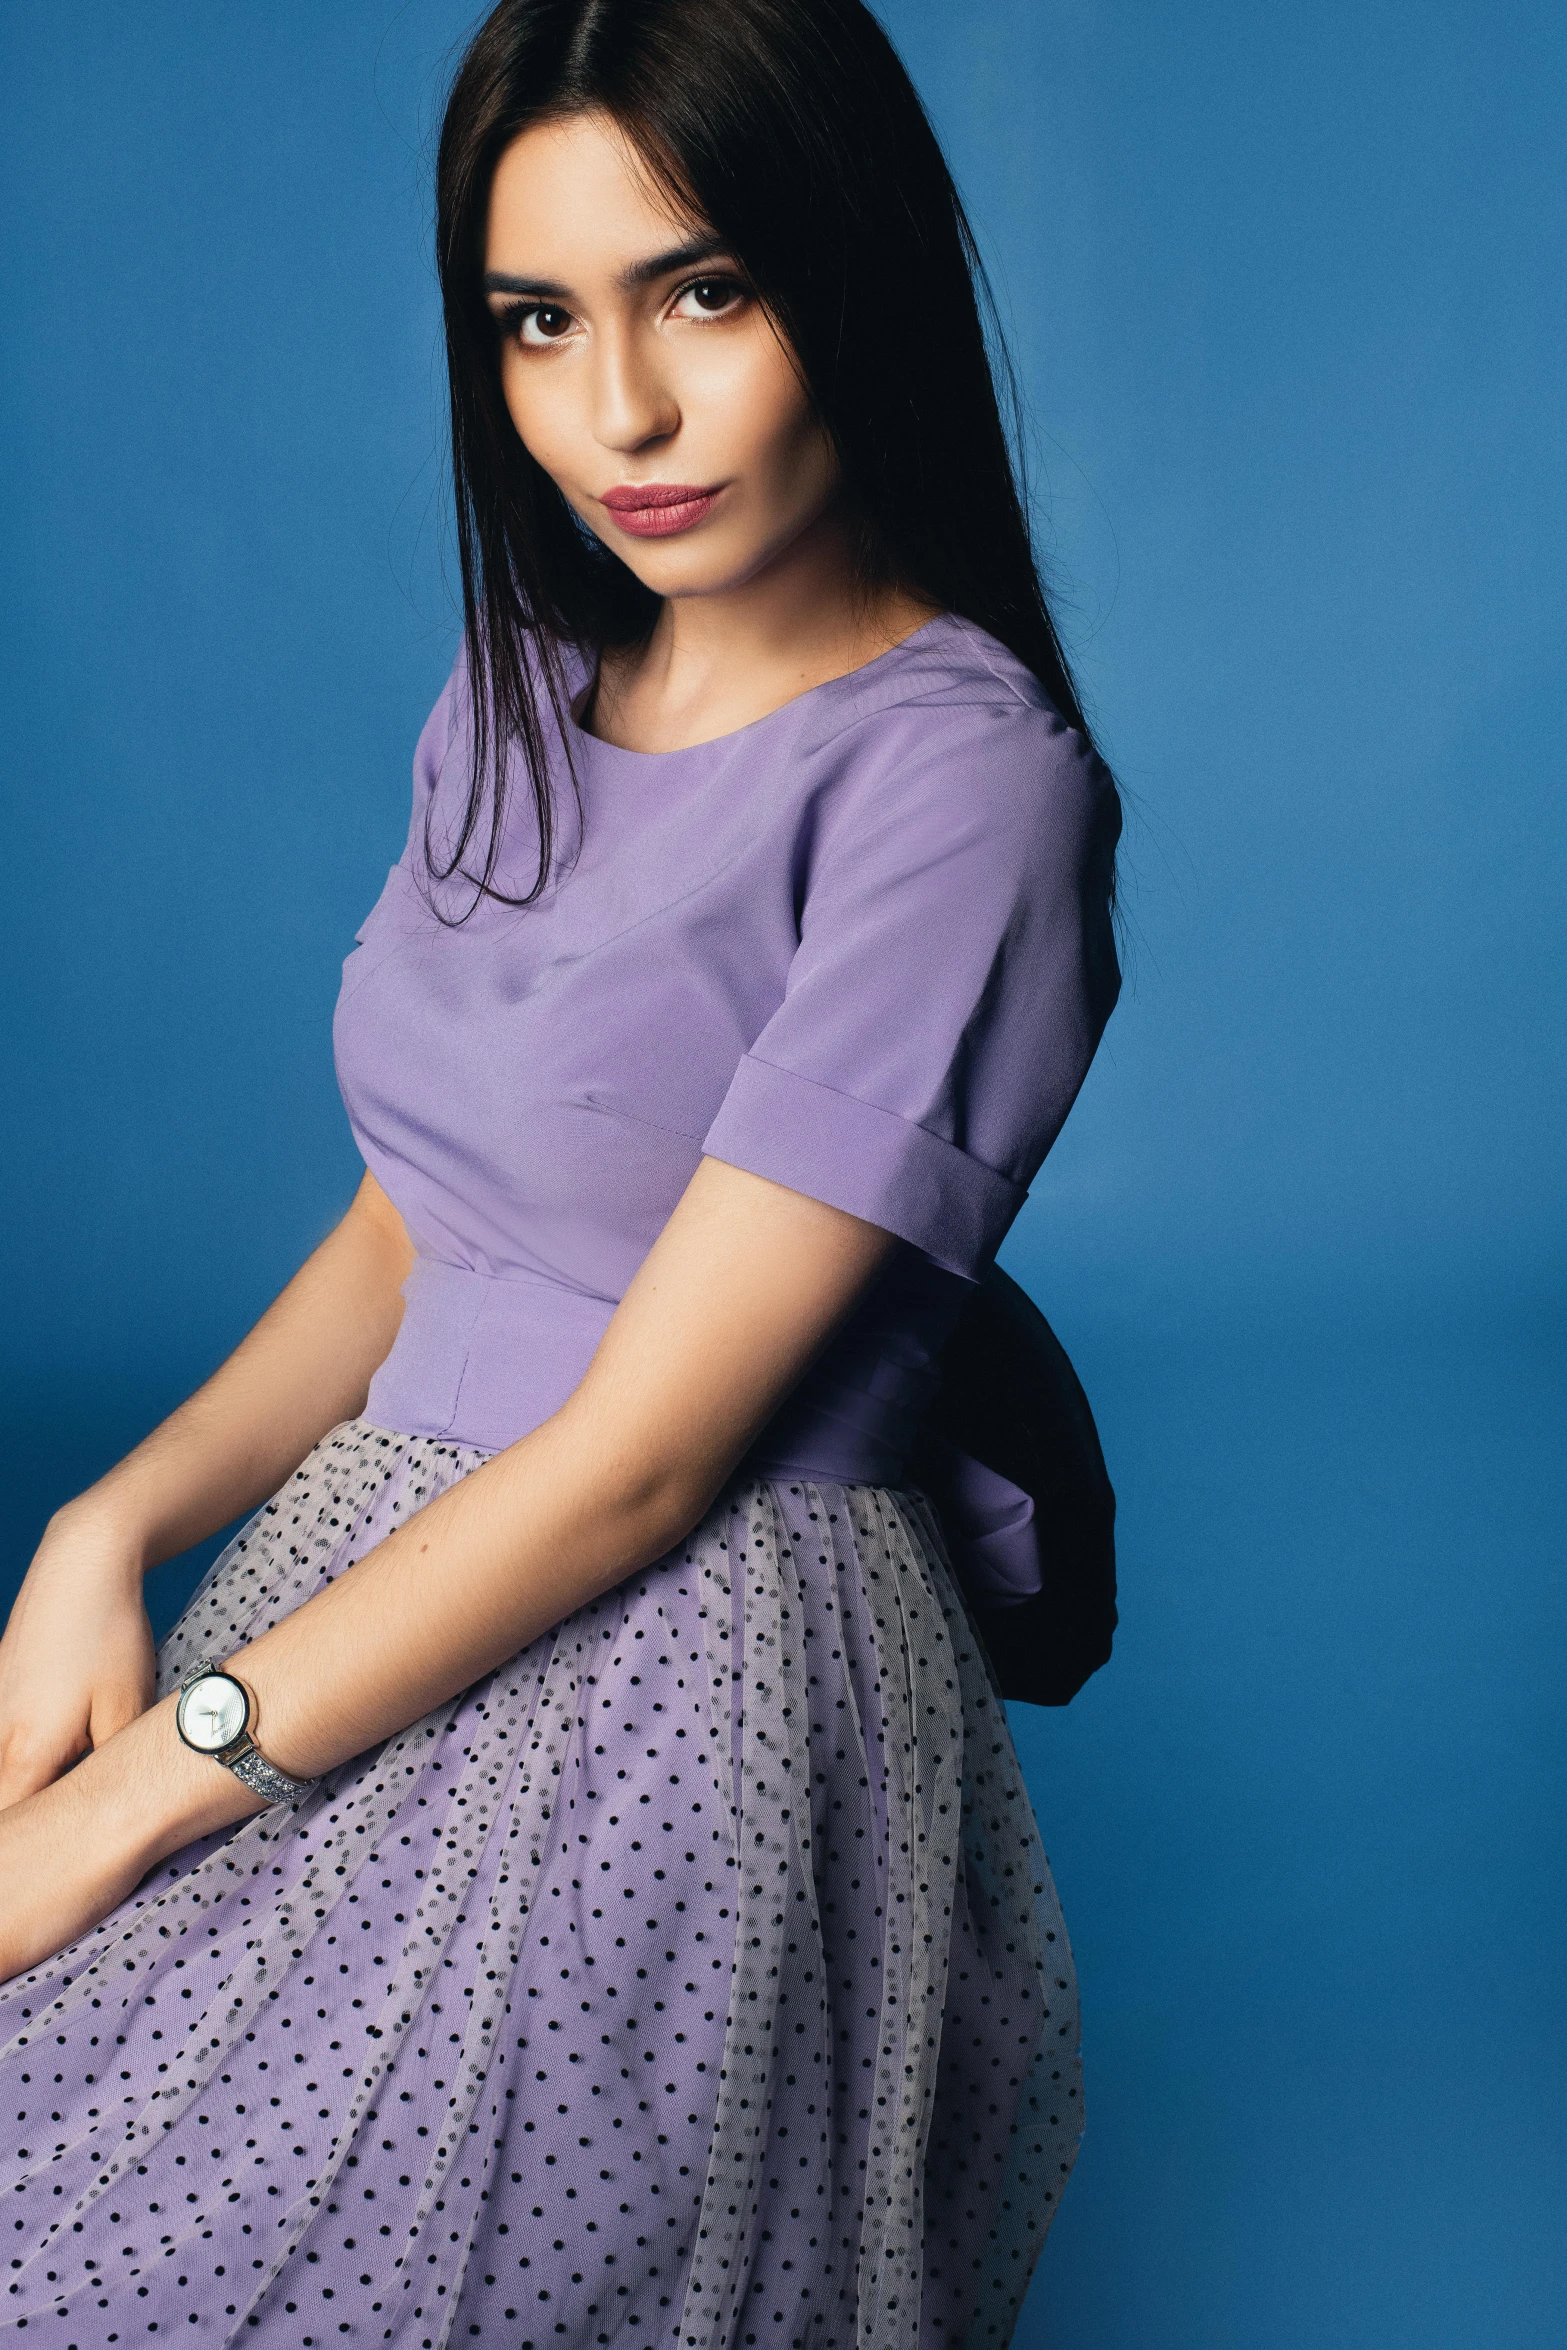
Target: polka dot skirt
(695, 1980)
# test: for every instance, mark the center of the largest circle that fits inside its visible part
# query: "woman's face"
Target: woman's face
(639, 369)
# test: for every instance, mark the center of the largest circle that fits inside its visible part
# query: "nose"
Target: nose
(633, 402)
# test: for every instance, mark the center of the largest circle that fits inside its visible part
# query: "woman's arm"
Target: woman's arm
(737, 1294)
(305, 1366)
(76, 1661)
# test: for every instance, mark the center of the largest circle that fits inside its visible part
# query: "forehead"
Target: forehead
(572, 199)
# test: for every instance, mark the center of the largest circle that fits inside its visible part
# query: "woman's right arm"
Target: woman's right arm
(76, 1662)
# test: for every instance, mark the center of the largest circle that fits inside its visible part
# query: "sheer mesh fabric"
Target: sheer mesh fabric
(696, 1979)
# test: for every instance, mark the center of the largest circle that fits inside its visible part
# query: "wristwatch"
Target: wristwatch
(213, 1717)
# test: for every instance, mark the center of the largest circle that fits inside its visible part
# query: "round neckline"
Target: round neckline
(715, 742)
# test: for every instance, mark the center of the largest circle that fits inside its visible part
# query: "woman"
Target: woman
(566, 1878)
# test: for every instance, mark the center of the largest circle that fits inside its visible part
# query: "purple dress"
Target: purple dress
(696, 1979)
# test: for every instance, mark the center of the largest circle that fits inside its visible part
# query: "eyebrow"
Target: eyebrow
(640, 273)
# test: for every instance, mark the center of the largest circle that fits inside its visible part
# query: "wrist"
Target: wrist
(216, 1713)
(157, 1794)
(103, 1527)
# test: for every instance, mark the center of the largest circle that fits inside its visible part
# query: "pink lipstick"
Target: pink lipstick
(657, 509)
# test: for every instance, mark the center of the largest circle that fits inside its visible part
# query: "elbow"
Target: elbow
(656, 1502)
(646, 1489)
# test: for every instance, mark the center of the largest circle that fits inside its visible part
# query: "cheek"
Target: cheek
(756, 401)
(538, 407)
(796, 452)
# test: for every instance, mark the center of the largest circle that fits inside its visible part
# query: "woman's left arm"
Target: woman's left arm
(737, 1294)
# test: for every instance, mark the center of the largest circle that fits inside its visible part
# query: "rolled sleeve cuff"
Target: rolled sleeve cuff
(867, 1161)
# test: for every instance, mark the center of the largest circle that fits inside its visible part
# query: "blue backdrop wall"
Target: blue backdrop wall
(1285, 290)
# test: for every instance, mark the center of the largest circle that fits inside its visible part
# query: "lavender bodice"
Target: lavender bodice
(861, 946)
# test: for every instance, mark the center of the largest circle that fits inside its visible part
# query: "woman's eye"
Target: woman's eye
(533, 323)
(542, 322)
(708, 297)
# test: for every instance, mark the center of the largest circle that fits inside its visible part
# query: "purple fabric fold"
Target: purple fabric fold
(990, 1528)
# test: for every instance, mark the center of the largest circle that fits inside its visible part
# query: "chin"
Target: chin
(699, 565)
(676, 569)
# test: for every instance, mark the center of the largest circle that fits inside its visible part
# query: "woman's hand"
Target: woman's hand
(70, 1853)
(61, 1872)
(76, 1662)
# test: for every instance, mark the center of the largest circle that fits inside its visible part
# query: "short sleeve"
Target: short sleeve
(955, 969)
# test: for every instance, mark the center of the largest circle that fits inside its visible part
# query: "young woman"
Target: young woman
(567, 1878)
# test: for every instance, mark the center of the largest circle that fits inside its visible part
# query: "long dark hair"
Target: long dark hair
(791, 129)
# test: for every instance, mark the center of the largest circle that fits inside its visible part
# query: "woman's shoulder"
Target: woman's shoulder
(950, 727)
(947, 662)
(555, 671)
(553, 666)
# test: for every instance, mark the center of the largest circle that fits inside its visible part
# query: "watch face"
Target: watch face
(213, 1712)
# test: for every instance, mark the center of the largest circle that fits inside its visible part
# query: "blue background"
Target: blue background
(1285, 286)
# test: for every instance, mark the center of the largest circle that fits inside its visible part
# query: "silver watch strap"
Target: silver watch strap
(266, 1779)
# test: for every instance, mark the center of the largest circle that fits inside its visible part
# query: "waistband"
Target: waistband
(482, 1360)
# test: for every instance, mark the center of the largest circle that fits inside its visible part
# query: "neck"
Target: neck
(716, 662)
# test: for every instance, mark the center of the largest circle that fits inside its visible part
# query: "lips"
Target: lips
(658, 509)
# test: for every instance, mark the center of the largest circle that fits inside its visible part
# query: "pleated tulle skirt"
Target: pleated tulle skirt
(696, 1979)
